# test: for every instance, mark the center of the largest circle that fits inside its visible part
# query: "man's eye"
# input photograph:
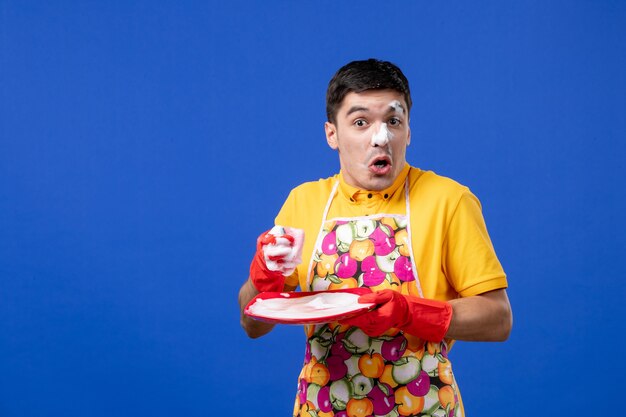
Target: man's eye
(360, 122)
(394, 121)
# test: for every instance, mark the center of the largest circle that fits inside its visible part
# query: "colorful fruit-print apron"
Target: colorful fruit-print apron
(346, 372)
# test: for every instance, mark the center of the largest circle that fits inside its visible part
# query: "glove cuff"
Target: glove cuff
(427, 319)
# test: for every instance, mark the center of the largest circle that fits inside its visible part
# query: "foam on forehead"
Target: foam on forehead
(397, 106)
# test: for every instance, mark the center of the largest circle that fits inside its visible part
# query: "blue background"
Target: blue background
(145, 144)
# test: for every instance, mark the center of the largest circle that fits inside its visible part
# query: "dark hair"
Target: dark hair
(359, 76)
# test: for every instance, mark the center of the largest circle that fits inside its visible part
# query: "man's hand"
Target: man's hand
(279, 252)
(426, 319)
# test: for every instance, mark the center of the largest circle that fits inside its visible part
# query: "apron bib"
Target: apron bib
(346, 372)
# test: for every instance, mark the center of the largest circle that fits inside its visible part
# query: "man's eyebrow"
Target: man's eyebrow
(393, 108)
(355, 109)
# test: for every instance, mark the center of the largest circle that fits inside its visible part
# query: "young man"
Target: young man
(418, 240)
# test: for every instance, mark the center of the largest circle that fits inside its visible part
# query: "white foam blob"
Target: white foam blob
(290, 253)
(397, 106)
(382, 137)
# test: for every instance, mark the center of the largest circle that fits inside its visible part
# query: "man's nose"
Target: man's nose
(380, 137)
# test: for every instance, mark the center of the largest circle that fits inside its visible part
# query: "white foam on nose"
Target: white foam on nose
(382, 137)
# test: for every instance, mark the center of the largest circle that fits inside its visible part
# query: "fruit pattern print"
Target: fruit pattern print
(346, 373)
(363, 253)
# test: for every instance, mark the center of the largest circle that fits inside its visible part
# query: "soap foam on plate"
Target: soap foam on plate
(308, 307)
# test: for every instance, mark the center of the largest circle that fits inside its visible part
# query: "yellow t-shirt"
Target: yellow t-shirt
(452, 250)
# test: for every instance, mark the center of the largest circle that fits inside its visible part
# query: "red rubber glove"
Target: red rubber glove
(427, 319)
(278, 253)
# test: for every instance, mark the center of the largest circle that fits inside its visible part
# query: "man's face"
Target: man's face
(371, 134)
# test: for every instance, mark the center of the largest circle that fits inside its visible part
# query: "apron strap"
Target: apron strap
(409, 233)
(319, 234)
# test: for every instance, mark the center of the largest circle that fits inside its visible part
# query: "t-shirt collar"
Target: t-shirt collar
(355, 194)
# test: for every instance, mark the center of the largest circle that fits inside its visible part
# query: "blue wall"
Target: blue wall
(144, 145)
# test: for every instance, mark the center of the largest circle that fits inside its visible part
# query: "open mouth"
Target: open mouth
(381, 165)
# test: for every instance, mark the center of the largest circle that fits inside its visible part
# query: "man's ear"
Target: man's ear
(331, 135)
(408, 138)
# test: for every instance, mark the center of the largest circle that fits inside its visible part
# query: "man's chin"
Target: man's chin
(380, 182)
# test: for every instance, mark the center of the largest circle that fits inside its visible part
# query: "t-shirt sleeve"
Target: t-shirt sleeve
(285, 218)
(469, 259)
